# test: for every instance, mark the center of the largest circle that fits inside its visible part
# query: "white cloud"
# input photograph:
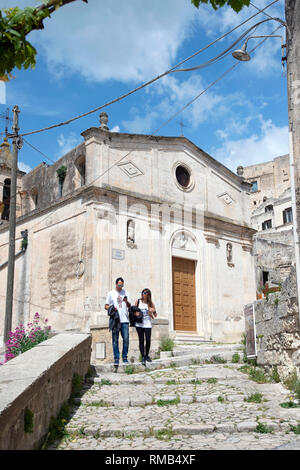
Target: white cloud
(271, 142)
(67, 143)
(114, 39)
(115, 129)
(182, 100)
(24, 167)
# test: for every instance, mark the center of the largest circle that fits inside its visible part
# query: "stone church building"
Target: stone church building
(158, 211)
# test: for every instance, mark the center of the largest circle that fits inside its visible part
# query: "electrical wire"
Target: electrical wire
(152, 135)
(165, 122)
(144, 84)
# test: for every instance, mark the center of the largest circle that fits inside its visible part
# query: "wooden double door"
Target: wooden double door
(184, 294)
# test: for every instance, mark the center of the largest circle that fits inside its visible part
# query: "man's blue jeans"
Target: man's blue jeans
(115, 342)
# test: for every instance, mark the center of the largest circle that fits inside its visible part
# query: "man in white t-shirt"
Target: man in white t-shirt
(118, 297)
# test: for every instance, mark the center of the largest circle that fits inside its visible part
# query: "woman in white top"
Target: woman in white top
(144, 328)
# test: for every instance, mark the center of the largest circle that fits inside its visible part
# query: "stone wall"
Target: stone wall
(39, 380)
(102, 350)
(277, 329)
(273, 256)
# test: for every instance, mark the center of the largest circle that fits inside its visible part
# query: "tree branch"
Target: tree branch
(51, 5)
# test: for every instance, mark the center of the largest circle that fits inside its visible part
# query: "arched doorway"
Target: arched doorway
(184, 261)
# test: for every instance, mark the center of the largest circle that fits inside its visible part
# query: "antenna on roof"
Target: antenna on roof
(7, 120)
(181, 126)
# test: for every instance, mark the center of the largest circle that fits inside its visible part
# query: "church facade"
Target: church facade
(158, 211)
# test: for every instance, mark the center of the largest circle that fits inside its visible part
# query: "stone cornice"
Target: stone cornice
(131, 139)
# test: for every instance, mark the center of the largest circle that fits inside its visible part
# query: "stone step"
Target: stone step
(147, 399)
(104, 431)
(206, 349)
(194, 358)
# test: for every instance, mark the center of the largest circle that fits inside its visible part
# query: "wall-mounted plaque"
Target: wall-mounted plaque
(118, 254)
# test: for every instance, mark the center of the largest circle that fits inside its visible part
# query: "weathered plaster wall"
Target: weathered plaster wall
(39, 380)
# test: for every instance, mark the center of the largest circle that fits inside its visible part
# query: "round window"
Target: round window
(183, 176)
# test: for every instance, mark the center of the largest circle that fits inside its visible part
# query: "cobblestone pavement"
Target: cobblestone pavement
(193, 407)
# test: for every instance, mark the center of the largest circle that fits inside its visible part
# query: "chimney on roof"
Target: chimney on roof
(240, 170)
(5, 153)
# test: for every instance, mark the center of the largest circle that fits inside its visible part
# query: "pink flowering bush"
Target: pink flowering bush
(23, 338)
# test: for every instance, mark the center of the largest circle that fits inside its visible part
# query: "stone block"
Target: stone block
(226, 428)
(186, 399)
(193, 429)
(165, 354)
(246, 426)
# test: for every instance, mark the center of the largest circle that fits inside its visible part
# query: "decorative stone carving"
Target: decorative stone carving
(130, 169)
(131, 234)
(104, 121)
(184, 241)
(229, 255)
(226, 198)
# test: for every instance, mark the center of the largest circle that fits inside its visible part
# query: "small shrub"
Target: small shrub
(263, 428)
(171, 382)
(196, 381)
(212, 381)
(28, 421)
(275, 375)
(196, 362)
(217, 359)
(295, 429)
(166, 344)
(291, 380)
(164, 434)
(235, 358)
(289, 404)
(98, 404)
(175, 401)
(221, 399)
(105, 382)
(25, 338)
(172, 365)
(254, 398)
(297, 389)
(130, 369)
(57, 425)
(77, 384)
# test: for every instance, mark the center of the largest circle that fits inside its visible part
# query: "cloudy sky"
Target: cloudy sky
(90, 54)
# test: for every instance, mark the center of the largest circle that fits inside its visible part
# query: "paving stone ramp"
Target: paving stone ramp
(186, 405)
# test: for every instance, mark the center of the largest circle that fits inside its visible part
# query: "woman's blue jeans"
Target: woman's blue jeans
(115, 342)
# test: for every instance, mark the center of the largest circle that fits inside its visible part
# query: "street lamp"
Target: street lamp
(243, 55)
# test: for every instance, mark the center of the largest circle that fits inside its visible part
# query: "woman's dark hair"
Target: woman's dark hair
(119, 279)
(149, 296)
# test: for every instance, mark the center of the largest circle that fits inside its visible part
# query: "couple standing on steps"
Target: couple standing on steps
(117, 305)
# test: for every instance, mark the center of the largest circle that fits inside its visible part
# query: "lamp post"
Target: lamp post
(12, 226)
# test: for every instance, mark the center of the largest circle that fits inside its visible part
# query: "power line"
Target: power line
(147, 83)
(184, 107)
(168, 120)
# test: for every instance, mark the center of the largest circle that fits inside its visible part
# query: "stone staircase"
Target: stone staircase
(195, 399)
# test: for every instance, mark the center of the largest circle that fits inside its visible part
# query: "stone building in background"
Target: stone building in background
(271, 216)
(158, 211)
